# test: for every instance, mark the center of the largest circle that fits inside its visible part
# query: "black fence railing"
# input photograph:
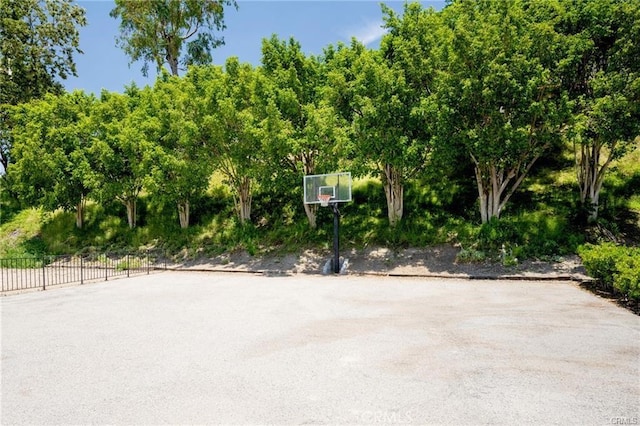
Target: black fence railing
(46, 271)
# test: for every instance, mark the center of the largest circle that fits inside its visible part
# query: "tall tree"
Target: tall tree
(500, 96)
(175, 32)
(241, 119)
(313, 141)
(601, 71)
(52, 137)
(413, 47)
(123, 147)
(374, 98)
(182, 164)
(37, 42)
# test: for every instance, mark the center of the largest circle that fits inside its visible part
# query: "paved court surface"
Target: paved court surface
(207, 348)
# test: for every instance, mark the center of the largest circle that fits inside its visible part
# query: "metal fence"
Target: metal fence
(46, 271)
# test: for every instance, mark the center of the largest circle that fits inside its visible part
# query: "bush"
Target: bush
(541, 234)
(627, 277)
(471, 255)
(617, 268)
(600, 262)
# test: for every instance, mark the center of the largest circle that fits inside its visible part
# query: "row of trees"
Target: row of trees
(37, 44)
(39, 38)
(496, 83)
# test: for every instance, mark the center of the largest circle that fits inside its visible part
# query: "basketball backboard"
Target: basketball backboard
(336, 185)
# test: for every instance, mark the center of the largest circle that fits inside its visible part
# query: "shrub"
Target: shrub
(600, 261)
(470, 255)
(495, 234)
(540, 234)
(615, 267)
(627, 276)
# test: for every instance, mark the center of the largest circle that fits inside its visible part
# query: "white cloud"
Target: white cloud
(368, 32)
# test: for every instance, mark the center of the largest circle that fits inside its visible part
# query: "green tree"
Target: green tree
(601, 72)
(312, 135)
(52, 137)
(240, 120)
(37, 42)
(123, 146)
(375, 99)
(499, 95)
(182, 164)
(174, 32)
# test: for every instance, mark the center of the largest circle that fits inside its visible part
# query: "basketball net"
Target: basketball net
(324, 199)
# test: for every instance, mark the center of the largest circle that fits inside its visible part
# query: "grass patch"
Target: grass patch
(20, 237)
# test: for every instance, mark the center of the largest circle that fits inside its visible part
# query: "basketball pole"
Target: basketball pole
(336, 238)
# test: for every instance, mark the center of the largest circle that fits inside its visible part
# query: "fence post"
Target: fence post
(44, 274)
(81, 271)
(106, 267)
(147, 262)
(128, 265)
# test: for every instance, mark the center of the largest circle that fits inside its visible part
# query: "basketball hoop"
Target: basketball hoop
(325, 189)
(324, 199)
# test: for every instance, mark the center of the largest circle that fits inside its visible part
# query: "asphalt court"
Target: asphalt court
(216, 348)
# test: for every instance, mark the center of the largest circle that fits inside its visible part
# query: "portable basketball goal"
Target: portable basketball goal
(329, 189)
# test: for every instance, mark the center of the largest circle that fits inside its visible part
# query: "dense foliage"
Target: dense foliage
(459, 111)
(617, 268)
(37, 43)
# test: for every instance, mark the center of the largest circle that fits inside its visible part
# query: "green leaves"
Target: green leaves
(373, 96)
(500, 86)
(311, 131)
(482, 85)
(51, 150)
(38, 40)
(178, 32)
(123, 147)
(601, 74)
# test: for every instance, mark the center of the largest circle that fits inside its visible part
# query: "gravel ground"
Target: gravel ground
(219, 348)
(437, 261)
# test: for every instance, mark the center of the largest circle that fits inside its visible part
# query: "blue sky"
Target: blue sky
(314, 24)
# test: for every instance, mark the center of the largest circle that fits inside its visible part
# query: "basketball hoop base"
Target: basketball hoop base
(329, 268)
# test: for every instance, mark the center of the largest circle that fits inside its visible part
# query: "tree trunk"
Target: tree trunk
(183, 214)
(594, 199)
(497, 185)
(80, 213)
(590, 177)
(483, 198)
(172, 60)
(491, 186)
(130, 204)
(243, 200)
(308, 166)
(487, 204)
(311, 210)
(394, 191)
